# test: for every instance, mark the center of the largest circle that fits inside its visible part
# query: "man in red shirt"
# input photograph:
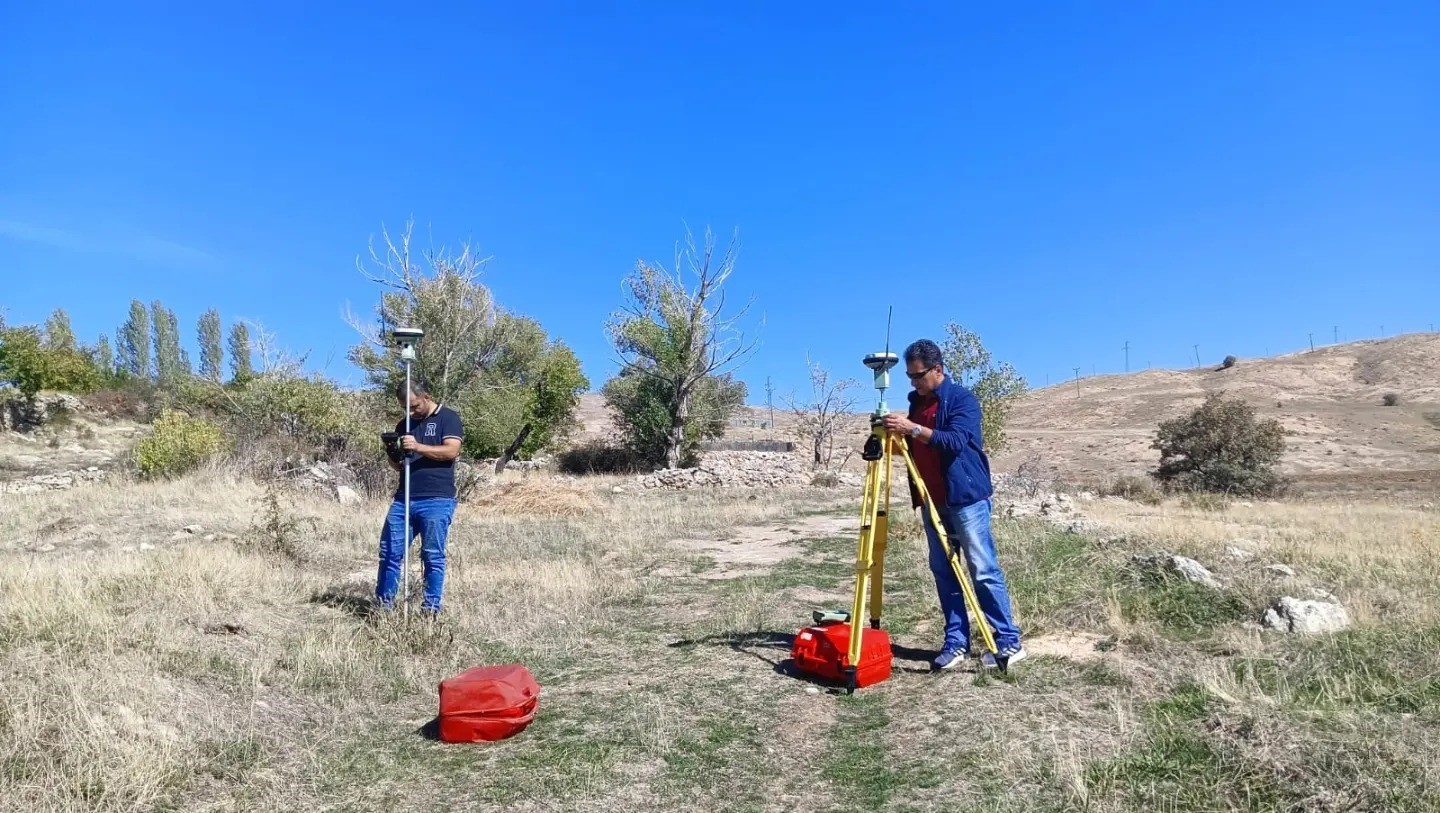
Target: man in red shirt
(943, 431)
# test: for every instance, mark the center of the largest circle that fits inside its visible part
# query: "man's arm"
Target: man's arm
(449, 448)
(954, 437)
(957, 434)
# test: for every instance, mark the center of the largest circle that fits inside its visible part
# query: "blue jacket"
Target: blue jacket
(958, 441)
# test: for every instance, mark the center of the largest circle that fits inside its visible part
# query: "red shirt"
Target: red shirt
(927, 460)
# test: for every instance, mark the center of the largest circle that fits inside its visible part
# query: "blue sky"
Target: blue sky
(1062, 178)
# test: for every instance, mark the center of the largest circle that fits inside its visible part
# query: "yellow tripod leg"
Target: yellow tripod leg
(881, 536)
(864, 556)
(962, 572)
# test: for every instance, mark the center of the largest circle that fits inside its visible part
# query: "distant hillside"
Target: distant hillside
(1330, 399)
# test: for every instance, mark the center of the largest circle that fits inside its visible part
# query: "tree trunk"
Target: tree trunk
(675, 438)
(819, 440)
(510, 453)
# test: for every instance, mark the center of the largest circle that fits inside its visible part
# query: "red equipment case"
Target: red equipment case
(823, 652)
(487, 703)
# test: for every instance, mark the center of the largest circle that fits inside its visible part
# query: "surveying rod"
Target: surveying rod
(406, 337)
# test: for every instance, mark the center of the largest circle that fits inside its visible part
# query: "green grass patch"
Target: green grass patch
(1178, 766)
(1387, 670)
(1185, 610)
(1056, 579)
(864, 773)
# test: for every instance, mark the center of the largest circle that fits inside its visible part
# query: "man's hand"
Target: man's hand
(409, 443)
(898, 424)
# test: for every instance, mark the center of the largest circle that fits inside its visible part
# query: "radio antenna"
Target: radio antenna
(889, 316)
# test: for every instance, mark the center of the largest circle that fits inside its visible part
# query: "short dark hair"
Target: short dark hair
(419, 386)
(926, 352)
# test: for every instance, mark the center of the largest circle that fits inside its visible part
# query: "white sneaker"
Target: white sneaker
(1011, 654)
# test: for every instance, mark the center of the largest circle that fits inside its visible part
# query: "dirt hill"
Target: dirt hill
(1330, 399)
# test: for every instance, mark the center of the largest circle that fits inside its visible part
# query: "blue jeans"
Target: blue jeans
(430, 520)
(968, 530)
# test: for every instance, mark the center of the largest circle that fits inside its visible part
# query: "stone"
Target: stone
(346, 495)
(1238, 553)
(146, 546)
(46, 548)
(1291, 614)
(1281, 571)
(617, 490)
(1192, 571)
(193, 529)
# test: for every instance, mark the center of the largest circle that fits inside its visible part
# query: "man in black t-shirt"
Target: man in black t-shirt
(432, 447)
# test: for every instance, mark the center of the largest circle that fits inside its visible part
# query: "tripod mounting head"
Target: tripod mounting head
(406, 337)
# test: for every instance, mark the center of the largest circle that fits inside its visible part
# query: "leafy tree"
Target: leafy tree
(58, 335)
(212, 358)
(241, 368)
(171, 365)
(103, 357)
(1222, 447)
(640, 406)
(996, 386)
(32, 366)
(132, 342)
(675, 334)
(515, 389)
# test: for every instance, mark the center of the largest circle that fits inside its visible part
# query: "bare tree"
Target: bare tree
(675, 332)
(818, 418)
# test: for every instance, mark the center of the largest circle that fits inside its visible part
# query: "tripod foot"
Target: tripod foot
(850, 681)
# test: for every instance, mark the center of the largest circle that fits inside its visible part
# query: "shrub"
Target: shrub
(1390, 399)
(1221, 447)
(599, 458)
(1135, 489)
(275, 532)
(178, 444)
(1228, 362)
(34, 366)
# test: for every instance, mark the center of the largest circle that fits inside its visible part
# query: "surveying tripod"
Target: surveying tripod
(879, 454)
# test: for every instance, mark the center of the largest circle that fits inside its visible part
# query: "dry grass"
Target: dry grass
(201, 674)
(538, 497)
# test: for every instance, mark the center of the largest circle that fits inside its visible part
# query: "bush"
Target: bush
(1135, 489)
(34, 366)
(1221, 447)
(178, 444)
(1228, 362)
(1390, 399)
(599, 458)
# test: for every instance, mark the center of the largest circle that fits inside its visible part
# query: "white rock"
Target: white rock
(193, 529)
(146, 546)
(617, 490)
(1238, 553)
(1282, 571)
(1291, 614)
(346, 495)
(1192, 571)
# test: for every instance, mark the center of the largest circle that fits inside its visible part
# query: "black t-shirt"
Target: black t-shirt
(431, 478)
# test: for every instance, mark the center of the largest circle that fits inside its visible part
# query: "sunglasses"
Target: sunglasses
(919, 375)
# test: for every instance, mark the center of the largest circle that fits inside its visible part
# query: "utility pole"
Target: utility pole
(770, 402)
(1197, 356)
(1127, 355)
(1312, 342)
(1077, 382)
(1337, 334)
(1382, 331)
